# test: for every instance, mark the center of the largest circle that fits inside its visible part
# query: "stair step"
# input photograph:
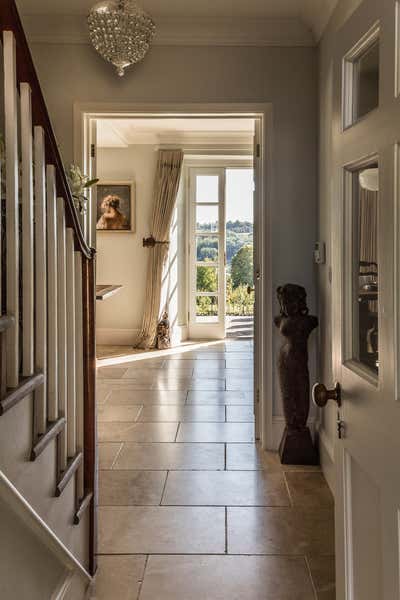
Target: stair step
(66, 475)
(25, 387)
(44, 440)
(6, 322)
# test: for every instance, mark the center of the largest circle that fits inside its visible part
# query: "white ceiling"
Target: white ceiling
(120, 133)
(313, 13)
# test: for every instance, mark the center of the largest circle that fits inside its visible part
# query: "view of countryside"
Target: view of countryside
(239, 250)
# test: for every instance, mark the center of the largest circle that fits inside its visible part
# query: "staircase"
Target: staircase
(47, 338)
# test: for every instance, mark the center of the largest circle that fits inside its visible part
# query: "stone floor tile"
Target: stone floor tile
(146, 397)
(216, 432)
(137, 432)
(225, 488)
(308, 489)
(123, 488)
(108, 452)
(118, 577)
(254, 530)
(110, 413)
(102, 393)
(239, 365)
(226, 578)
(111, 372)
(221, 397)
(171, 456)
(322, 570)
(182, 413)
(240, 414)
(206, 384)
(250, 457)
(161, 529)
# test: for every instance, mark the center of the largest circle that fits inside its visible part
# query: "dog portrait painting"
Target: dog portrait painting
(115, 206)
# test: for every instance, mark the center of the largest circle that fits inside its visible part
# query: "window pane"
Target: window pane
(207, 188)
(207, 279)
(206, 309)
(207, 248)
(366, 283)
(366, 82)
(207, 218)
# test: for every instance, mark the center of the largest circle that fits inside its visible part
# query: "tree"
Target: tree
(207, 279)
(242, 267)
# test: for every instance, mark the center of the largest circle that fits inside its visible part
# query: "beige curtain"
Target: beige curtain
(368, 227)
(166, 185)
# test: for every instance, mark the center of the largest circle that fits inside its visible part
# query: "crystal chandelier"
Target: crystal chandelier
(120, 31)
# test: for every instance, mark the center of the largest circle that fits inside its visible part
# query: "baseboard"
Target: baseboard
(126, 337)
(327, 457)
(116, 337)
(278, 426)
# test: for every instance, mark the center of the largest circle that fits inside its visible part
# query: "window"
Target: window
(361, 78)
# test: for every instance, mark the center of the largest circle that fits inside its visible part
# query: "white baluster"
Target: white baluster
(71, 380)
(12, 234)
(40, 279)
(79, 368)
(62, 328)
(52, 368)
(27, 231)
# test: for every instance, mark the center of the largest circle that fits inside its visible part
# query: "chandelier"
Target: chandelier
(121, 32)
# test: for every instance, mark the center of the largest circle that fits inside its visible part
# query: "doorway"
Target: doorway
(221, 251)
(86, 118)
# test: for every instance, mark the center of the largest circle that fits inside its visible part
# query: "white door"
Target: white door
(365, 304)
(207, 253)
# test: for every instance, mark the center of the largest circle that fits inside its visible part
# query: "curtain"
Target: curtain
(368, 228)
(168, 172)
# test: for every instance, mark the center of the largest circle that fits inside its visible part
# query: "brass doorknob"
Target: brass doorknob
(321, 395)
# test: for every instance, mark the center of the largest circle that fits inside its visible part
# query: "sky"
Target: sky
(239, 195)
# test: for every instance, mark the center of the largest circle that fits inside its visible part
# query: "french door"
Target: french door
(207, 253)
(365, 303)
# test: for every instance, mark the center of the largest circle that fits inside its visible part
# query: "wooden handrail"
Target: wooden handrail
(26, 72)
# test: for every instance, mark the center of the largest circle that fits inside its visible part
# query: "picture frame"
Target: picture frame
(115, 206)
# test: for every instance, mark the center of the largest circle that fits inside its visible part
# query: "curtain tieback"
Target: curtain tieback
(150, 242)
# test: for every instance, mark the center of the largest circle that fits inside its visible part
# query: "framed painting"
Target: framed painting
(115, 206)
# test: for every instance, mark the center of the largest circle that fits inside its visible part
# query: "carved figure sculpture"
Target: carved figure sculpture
(163, 333)
(295, 325)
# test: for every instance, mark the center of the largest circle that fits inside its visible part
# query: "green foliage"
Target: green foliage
(207, 279)
(242, 267)
(206, 306)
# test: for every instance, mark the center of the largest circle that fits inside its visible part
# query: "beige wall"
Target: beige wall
(284, 77)
(121, 258)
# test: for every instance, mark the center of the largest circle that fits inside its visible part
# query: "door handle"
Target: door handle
(321, 395)
(250, 289)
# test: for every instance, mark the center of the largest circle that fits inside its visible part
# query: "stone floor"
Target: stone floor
(189, 507)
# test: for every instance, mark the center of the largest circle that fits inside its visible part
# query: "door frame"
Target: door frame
(207, 162)
(85, 113)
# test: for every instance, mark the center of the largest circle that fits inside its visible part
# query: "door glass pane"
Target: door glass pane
(207, 218)
(207, 279)
(207, 309)
(207, 188)
(365, 276)
(207, 248)
(366, 81)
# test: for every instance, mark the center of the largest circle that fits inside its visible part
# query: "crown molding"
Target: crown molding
(72, 29)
